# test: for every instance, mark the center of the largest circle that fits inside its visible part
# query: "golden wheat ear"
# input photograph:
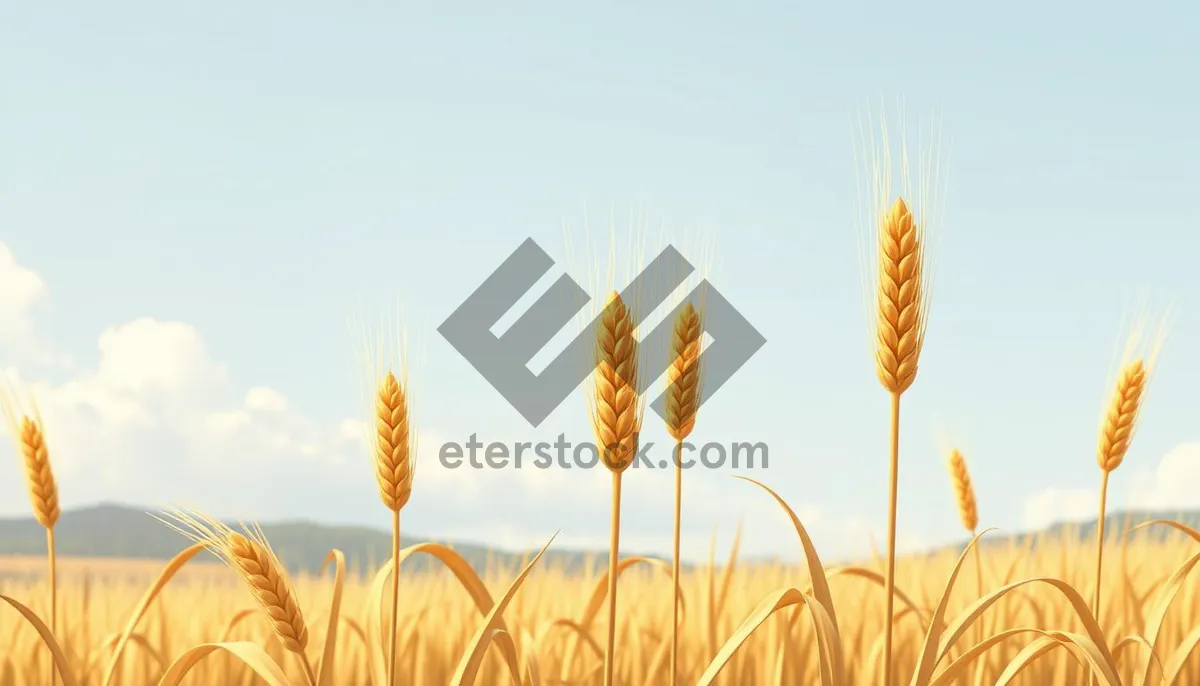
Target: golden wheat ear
(393, 445)
(616, 410)
(43, 489)
(683, 376)
(1116, 431)
(1139, 361)
(964, 491)
(29, 435)
(900, 306)
(250, 555)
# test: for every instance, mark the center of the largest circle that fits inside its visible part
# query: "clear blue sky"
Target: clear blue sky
(257, 173)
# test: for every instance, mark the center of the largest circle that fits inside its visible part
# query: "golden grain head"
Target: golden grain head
(616, 405)
(29, 441)
(900, 293)
(39, 477)
(683, 376)
(393, 443)
(964, 492)
(250, 555)
(1116, 430)
(268, 582)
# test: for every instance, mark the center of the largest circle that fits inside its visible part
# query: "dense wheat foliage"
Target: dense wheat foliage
(438, 618)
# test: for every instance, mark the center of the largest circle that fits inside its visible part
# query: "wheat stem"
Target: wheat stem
(50, 553)
(979, 665)
(1100, 543)
(395, 596)
(675, 564)
(890, 578)
(614, 547)
(309, 674)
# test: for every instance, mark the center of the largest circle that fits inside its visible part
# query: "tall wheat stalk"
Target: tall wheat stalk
(250, 555)
(29, 434)
(394, 473)
(616, 415)
(683, 404)
(1117, 428)
(968, 513)
(391, 441)
(899, 284)
(900, 319)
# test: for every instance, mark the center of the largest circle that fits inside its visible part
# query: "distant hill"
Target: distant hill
(120, 531)
(1119, 522)
(128, 532)
(1116, 524)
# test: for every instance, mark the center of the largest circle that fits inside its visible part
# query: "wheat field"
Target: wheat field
(1116, 610)
(557, 620)
(995, 614)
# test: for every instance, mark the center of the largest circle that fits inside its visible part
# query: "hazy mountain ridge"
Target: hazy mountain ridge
(1116, 525)
(129, 532)
(122, 531)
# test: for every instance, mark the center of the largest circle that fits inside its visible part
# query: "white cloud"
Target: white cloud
(1053, 505)
(263, 399)
(158, 420)
(20, 290)
(149, 356)
(1173, 483)
(353, 429)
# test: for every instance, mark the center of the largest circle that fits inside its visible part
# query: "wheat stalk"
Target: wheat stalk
(394, 473)
(391, 442)
(899, 293)
(29, 434)
(250, 555)
(899, 336)
(1118, 424)
(968, 514)
(616, 413)
(683, 403)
